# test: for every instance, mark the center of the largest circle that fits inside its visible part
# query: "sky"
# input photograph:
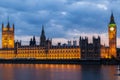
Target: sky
(63, 20)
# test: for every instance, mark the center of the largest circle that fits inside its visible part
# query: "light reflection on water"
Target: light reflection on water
(58, 72)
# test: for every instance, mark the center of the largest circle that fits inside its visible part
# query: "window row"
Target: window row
(65, 51)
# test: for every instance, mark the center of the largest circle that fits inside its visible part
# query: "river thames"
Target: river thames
(58, 72)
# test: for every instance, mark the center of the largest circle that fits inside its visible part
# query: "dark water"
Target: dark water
(58, 72)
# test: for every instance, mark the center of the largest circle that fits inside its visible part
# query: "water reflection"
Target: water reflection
(39, 71)
(90, 72)
(108, 72)
(58, 72)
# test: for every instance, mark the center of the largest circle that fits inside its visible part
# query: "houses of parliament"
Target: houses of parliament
(45, 50)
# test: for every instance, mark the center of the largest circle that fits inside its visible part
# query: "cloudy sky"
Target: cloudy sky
(63, 19)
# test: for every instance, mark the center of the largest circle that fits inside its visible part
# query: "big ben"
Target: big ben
(112, 31)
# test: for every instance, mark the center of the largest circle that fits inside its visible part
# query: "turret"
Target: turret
(31, 42)
(34, 41)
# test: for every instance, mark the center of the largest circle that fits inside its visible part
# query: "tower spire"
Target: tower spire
(2, 25)
(42, 37)
(8, 25)
(34, 41)
(43, 32)
(8, 19)
(112, 21)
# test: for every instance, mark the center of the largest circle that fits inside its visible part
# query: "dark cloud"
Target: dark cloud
(59, 16)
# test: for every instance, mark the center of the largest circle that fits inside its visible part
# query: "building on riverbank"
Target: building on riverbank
(45, 49)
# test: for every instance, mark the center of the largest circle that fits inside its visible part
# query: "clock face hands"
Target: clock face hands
(112, 29)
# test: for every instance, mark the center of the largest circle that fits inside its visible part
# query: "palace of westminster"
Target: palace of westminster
(45, 50)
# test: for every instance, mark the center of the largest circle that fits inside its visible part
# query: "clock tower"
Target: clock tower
(112, 30)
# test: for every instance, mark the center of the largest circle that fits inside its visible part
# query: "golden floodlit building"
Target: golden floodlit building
(45, 49)
(7, 36)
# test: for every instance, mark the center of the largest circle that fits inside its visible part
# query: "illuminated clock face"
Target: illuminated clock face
(112, 29)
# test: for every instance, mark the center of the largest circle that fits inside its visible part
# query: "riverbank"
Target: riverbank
(72, 61)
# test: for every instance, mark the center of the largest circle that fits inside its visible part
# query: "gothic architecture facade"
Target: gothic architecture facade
(90, 50)
(7, 36)
(45, 49)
